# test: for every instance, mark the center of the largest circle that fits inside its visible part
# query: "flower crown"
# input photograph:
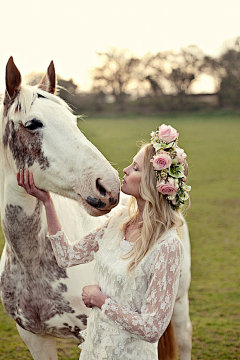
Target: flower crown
(168, 163)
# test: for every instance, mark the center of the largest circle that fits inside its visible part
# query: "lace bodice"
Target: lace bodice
(139, 307)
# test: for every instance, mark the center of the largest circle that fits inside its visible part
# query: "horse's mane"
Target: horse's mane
(26, 97)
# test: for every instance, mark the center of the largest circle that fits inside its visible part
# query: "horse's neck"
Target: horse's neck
(74, 219)
(24, 221)
(24, 235)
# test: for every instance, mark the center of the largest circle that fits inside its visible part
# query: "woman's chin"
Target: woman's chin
(124, 190)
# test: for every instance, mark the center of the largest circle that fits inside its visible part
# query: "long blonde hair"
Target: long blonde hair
(158, 216)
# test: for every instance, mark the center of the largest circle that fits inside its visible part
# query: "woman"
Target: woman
(138, 253)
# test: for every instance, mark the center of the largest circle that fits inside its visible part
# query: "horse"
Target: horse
(39, 132)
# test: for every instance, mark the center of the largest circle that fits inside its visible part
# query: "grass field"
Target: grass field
(212, 145)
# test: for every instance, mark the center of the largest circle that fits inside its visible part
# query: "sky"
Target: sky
(70, 32)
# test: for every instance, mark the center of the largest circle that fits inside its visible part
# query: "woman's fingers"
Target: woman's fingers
(26, 181)
(87, 303)
(20, 178)
(31, 181)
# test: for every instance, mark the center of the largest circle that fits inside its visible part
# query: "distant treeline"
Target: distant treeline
(160, 82)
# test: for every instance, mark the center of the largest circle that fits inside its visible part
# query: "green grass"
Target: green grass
(212, 145)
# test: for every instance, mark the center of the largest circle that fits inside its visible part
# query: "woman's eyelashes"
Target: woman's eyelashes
(135, 167)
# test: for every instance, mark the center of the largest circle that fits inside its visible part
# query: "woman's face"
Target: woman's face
(133, 174)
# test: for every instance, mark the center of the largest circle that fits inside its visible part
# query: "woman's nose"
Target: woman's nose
(125, 171)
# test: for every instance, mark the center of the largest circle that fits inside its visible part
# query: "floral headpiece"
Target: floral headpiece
(168, 163)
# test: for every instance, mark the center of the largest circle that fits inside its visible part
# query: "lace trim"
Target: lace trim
(55, 236)
(129, 242)
(106, 305)
(83, 334)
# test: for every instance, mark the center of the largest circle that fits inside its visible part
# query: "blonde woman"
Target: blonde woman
(138, 253)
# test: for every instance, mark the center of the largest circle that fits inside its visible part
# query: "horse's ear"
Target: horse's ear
(48, 82)
(13, 79)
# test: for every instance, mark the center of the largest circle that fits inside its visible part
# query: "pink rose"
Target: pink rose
(167, 133)
(181, 156)
(167, 188)
(161, 161)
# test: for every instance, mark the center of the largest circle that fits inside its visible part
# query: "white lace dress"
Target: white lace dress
(139, 307)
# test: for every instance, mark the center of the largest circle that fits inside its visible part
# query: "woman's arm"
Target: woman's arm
(66, 254)
(158, 303)
(81, 251)
(25, 180)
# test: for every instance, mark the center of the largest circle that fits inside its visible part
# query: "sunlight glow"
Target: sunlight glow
(70, 33)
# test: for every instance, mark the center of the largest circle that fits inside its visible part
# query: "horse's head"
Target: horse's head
(39, 132)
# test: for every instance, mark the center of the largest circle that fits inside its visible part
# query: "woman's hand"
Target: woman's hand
(92, 296)
(25, 180)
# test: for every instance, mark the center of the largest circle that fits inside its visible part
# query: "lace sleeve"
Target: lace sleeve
(157, 306)
(80, 252)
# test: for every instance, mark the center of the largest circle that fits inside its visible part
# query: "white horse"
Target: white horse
(40, 133)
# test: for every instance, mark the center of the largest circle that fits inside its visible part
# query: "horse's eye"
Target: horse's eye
(33, 124)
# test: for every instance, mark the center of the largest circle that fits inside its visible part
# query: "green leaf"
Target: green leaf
(176, 171)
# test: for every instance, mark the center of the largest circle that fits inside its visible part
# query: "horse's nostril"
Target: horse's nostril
(100, 188)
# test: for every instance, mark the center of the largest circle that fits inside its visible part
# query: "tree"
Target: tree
(229, 93)
(116, 74)
(173, 72)
(226, 71)
(185, 68)
(154, 72)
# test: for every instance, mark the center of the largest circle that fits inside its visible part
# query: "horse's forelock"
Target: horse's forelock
(27, 95)
(22, 102)
(53, 98)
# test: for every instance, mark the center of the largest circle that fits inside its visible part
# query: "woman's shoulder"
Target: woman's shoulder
(170, 239)
(169, 244)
